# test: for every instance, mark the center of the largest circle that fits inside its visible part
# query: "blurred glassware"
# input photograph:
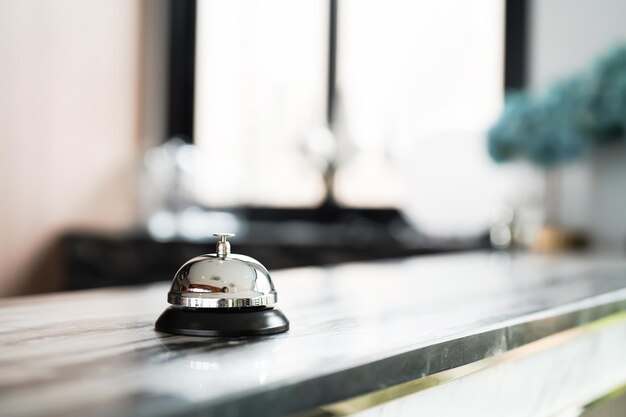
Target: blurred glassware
(169, 206)
(501, 233)
(166, 178)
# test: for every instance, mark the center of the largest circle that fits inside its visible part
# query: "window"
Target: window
(418, 83)
(260, 91)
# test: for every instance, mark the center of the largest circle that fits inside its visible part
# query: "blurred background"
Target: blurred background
(317, 131)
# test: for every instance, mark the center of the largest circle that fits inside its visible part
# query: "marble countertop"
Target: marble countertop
(355, 328)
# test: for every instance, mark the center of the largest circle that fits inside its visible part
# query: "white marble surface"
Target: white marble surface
(559, 380)
(354, 328)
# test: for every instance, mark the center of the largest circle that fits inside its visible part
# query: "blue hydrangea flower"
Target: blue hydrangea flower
(568, 120)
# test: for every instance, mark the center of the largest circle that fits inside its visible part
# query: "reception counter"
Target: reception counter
(489, 334)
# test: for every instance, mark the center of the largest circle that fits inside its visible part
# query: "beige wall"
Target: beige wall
(69, 125)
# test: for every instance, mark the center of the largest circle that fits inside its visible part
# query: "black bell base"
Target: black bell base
(222, 322)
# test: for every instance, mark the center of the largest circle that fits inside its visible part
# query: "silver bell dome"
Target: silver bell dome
(222, 280)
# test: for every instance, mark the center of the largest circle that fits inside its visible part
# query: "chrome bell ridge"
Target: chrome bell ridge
(222, 280)
(218, 283)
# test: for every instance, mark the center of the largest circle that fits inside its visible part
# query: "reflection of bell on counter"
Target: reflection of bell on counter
(222, 294)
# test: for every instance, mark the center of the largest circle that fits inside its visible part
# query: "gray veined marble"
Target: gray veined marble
(355, 328)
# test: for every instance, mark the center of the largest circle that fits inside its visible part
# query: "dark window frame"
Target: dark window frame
(181, 69)
(516, 44)
(182, 60)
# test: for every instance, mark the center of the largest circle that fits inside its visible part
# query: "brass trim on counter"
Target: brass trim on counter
(376, 398)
